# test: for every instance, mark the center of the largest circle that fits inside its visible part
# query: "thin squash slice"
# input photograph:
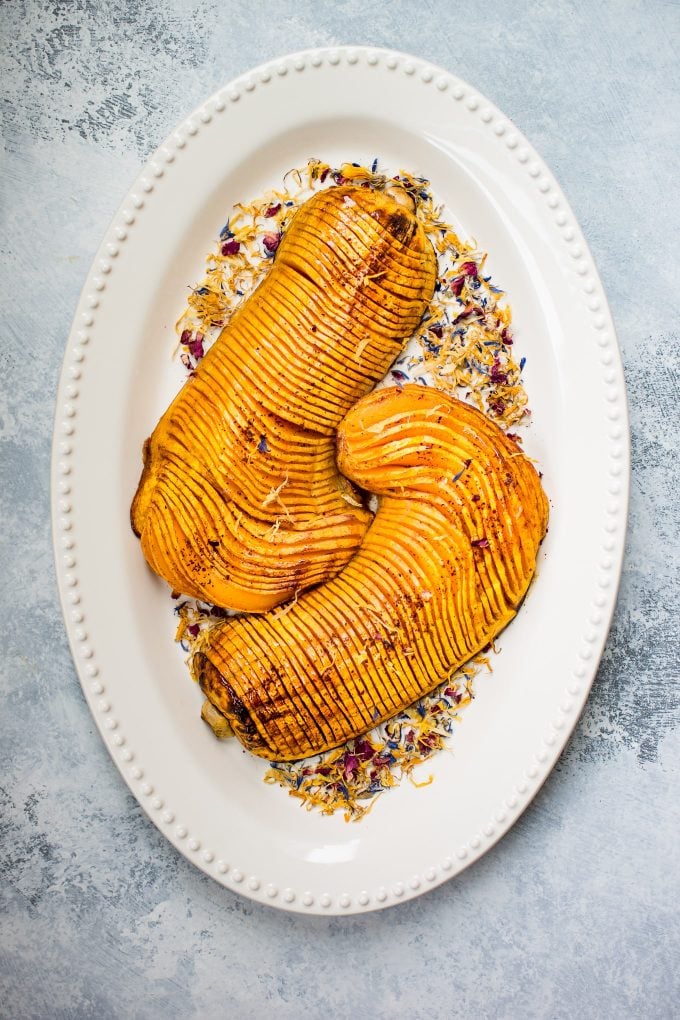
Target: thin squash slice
(442, 570)
(240, 502)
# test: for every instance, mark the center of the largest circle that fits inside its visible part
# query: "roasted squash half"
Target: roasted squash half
(240, 502)
(442, 570)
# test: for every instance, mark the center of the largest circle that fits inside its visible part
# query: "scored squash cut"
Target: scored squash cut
(240, 502)
(443, 568)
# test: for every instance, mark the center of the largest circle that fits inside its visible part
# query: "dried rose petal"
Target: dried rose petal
(196, 347)
(457, 285)
(231, 248)
(469, 269)
(185, 337)
(350, 765)
(364, 750)
(436, 329)
(271, 242)
(194, 629)
(273, 209)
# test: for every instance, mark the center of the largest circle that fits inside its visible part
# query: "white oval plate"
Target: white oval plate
(208, 798)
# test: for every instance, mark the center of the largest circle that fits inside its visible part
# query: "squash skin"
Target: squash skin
(420, 598)
(240, 502)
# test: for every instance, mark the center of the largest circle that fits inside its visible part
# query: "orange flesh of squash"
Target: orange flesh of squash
(240, 502)
(443, 568)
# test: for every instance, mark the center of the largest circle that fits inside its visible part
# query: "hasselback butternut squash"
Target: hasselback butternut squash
(442, 570)
(240, 502)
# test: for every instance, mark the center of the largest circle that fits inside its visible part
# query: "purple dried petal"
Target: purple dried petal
(457, 285)
(350, 765)
(231, 248)
(272, 210)
(185, 337)
(271, 242)
(480, 543)
(469, 269)
(196, 347)
(194, 629)
(497, 375)
(363, 749)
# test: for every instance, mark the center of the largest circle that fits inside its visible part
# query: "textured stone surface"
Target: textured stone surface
(576, 911)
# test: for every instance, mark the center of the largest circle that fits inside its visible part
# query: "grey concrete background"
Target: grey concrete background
(575, 913)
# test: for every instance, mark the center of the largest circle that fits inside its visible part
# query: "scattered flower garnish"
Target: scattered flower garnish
(463, 347)
(349, 778)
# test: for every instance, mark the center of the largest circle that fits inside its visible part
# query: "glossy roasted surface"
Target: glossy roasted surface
(240, 502)
(442, 570)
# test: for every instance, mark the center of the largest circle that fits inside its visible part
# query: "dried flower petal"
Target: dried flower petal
(196, 347)
(271, 242)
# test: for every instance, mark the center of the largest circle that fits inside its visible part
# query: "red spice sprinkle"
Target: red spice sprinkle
(515, 438)
(272, 210)
(480, 543)
(231, 248)
(271, 242)
(476, 498)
